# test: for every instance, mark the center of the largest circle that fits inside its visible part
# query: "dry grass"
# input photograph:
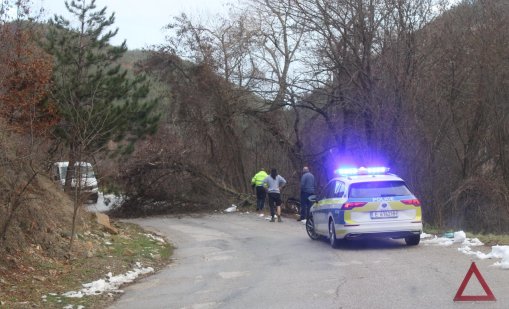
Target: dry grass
(32, 279)
(491, 239)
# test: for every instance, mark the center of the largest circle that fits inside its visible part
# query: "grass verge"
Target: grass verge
(487, 239)
(32, 280)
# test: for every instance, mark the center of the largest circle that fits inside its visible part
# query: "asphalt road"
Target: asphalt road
(242, 261)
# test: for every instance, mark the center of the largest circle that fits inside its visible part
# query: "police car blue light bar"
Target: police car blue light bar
(362, 171)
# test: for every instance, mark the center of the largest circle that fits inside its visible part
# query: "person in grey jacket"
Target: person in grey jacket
(307, 188)
(274, 183)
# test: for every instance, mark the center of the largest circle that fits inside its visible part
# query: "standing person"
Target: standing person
(307, 188)
(257, 183)
(274, 184)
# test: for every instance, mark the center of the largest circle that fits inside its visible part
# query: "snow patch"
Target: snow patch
(497, 252)
(110, 283)
(105, 202)
(424, 235)
(466, 244)
(156, 238)
(454, 238)
(232, 208)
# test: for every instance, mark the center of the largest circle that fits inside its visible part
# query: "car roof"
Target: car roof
(368, 178)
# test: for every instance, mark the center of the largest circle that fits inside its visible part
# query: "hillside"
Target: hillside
(36, 266)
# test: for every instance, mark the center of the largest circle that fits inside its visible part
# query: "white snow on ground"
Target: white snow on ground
(457, 238)
(110, 283)
(156, 238)
(72, 307)
(105, 202)
(497, 252)
(233, 208)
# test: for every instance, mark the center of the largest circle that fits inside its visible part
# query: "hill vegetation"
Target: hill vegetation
(408, 84)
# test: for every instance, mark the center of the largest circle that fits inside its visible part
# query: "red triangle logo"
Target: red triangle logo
(489, 295)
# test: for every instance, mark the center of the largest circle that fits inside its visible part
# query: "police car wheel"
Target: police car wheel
(310, 229)
(332, 234)
(413, 240)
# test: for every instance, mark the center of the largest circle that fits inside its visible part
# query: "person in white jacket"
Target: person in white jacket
(274, 184)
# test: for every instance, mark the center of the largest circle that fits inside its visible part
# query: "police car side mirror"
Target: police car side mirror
(313, 198)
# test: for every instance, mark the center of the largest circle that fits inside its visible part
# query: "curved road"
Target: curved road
(243, 261)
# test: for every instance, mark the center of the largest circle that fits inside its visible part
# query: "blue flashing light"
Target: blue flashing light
(362, 171)
(377, 170)
(346, 171)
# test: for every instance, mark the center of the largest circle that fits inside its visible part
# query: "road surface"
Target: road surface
(242, 261)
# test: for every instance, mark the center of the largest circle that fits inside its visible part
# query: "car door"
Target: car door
(326, 205)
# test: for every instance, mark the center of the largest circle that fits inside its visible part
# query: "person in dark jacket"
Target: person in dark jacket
(307, 188)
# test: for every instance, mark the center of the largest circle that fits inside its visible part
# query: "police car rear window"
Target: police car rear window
(378, 189)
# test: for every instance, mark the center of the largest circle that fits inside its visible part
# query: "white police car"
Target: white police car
(365, 202)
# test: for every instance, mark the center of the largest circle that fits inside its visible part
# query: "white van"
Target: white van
(88, 180)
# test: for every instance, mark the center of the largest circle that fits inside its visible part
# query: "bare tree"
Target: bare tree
(355, 81)
(462, 107)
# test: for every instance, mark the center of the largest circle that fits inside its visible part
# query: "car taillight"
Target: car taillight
(350, 205)
(414, 202)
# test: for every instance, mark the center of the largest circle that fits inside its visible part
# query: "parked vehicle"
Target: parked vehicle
(88, 182)
(365, 202)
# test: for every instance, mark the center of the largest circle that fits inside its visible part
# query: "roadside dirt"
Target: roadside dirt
(36, 266)
(32, 279)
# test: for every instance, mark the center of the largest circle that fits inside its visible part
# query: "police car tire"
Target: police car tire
(413, 240)
(310, 229)
(332, 234)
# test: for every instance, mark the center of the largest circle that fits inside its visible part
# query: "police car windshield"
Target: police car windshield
(378, 189)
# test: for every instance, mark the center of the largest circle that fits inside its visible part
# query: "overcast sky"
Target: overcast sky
(140, 22)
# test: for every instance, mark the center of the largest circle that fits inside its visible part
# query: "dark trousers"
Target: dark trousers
(274, 200)
(305, 204)
(260, 197)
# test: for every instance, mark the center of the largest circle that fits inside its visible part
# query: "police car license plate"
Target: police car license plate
(384, 214)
